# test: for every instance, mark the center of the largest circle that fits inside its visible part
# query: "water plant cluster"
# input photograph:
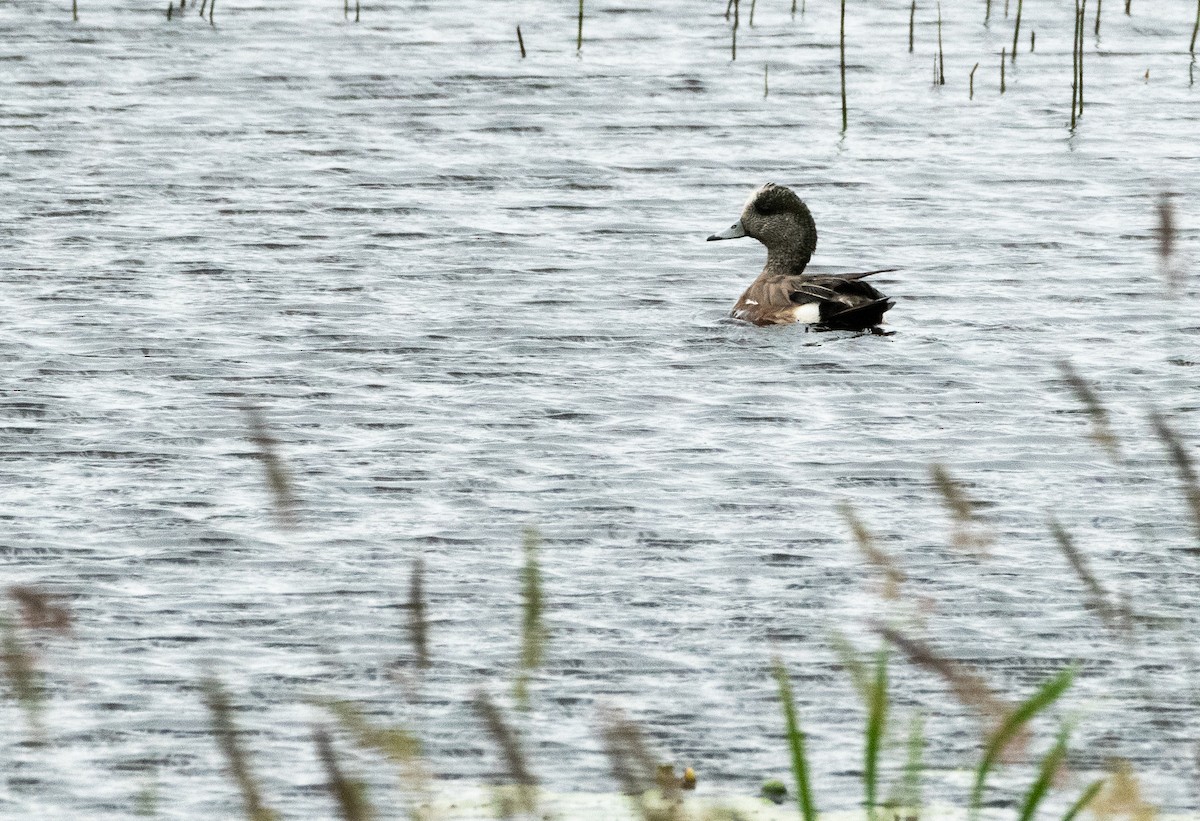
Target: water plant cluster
(648, 777)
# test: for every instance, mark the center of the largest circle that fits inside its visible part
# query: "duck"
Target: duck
(783, 293)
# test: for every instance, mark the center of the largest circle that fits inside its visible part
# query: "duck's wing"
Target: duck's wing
(862, 274)
(839, 301)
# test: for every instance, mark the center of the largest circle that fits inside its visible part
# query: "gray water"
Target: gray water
(470, 293)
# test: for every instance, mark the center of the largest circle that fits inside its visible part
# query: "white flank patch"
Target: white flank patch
(751, 302)
(809, 313)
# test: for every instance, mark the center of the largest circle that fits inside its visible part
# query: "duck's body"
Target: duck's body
(783, 293)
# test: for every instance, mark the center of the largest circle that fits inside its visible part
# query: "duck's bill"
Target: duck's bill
(732, 232)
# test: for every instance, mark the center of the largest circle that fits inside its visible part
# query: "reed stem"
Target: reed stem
(1016, 30)
(1099, 4)
(1195, 29)
(972, 82)
(521, 42)
(912, 19)
(842, 48)
(941, 56)
(1074, 71)
(766, 88)
(1032, 40)
(75, 10)
(579, 36)
(733, 42)
(1003, 58)
(753, 3)
(1082, 17)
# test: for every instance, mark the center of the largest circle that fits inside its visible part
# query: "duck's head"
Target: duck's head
(780, 220)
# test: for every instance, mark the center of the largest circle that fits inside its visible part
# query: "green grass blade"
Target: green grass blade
(908, 791)
(1046, 772)
(876, 730)
(795, 743)
(1046, 695)
(1079, 806)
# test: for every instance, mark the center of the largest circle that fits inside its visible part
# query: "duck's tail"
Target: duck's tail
(860, 317)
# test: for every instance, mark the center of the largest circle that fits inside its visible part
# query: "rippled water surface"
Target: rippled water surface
(470, 293)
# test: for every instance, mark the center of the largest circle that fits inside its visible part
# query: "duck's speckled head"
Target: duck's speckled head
(780, 220)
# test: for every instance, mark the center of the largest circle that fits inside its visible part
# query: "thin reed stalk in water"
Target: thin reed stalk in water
(357, 10)
(1098, 598)
(893, 575)
(1178, 453)
(987, 12)
(212, 6)
(971, 80)
(170, 9)
(351, 796)
(633, 767)
(1016, 30)
(579, 36)
(842, 49)
(967, 687)
(969, 532)
(221, 710)
(418, 625)
(1083, 13)
(941, 57)
(728, 9)
(1195, 29)
(24, 679)
(733, 42)
(753, 3)
(1075, 68)
(278, 478)
(1003, 57)
(1101, 428)
(1166, 242)
(1099, 5)
(795, 743)
(1128, 3)
(912, 21)
(1032, 40)
(533, 628)
(203, 6)
(75, 10)
(1012, 726)
(766, 87)
(510, 750)
(521, 42)
(793, 8)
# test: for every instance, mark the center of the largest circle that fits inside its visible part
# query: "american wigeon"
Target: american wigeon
(783, 293)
